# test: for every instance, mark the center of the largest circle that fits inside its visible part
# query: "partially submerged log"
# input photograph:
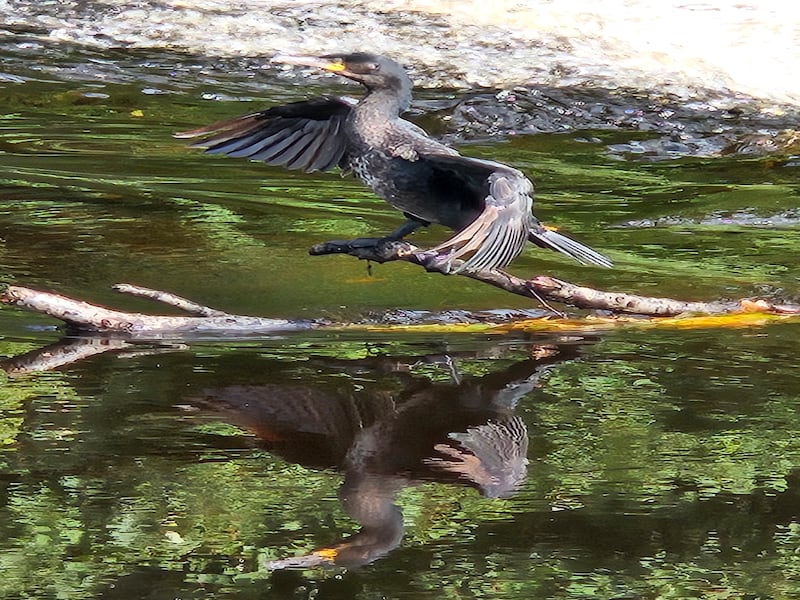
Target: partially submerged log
(85, 317)
(82, 316)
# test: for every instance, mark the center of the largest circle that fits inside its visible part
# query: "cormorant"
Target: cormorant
(486, 203)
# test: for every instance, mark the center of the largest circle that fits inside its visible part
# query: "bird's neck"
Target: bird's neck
(375, 116)
(386, 104)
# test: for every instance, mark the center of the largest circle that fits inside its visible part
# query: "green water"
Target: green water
(661, 463)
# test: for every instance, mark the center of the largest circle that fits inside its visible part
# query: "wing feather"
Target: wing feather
(308, 155)
(250, 147)
(330, 155)
(284, 152)
(500, 232)
(302, 135)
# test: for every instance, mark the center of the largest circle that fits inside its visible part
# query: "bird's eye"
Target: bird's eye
(374, 67)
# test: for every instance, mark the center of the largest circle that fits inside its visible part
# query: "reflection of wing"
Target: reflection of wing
(493, 456)
(301, 408)
(302, 135)
(306, 424)
(500, 231)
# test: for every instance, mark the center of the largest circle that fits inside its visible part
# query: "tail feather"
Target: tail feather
(546, 238)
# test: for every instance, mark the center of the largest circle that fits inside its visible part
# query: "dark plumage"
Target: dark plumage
(487, 204)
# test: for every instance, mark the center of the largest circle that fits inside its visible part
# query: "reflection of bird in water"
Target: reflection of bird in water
(464, 433)
(488, 204)
(491, 455)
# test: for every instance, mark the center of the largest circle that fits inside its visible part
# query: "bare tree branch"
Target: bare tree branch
(84, 316)
(206, 321)
(189, 306)
(546, 288)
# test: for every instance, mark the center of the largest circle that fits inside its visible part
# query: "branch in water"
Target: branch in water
(189, 306)
(84, 316)
(206, 321)
(547, 289)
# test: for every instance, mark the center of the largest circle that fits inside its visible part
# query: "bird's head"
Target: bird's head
(371, 70)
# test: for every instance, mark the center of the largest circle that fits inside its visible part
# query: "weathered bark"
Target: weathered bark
(548, 289)
(184, 304)
(87, 317)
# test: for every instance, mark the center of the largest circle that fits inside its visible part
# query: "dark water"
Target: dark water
(661, 463)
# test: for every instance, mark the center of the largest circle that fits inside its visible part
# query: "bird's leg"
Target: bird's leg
(409, 225)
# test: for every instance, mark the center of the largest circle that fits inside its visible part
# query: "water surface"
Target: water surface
(661, 463)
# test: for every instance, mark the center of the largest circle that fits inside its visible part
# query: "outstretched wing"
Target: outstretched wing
(304, 135)
(500, 231)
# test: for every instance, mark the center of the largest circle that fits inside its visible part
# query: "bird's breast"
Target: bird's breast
(367, 169)
(387, 176)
